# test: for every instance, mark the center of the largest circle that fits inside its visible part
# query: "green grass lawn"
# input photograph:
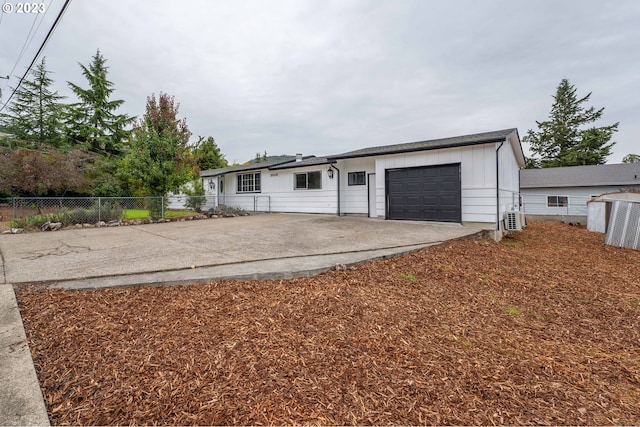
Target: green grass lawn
(143, 213)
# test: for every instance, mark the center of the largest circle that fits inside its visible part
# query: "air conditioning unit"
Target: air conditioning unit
(523, 220)
(513, 221)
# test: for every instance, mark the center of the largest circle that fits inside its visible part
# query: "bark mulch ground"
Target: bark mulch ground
(541, 328)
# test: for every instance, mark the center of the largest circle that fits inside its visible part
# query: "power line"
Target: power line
(42, 46)
(28, 40)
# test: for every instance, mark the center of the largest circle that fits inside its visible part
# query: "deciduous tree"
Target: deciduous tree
(42, 171)
(159, 159)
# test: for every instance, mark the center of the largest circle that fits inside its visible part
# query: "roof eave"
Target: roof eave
(413, 150)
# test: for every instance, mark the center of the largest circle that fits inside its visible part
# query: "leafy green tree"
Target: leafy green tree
(92, 121)
(562, 140)
(208, 155)
(36, 113)
(159, 159)
(631, 158)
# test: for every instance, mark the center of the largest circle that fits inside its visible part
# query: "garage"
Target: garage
(428, 193)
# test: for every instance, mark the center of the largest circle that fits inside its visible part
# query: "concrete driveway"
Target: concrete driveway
(251, 247)
(256, 246)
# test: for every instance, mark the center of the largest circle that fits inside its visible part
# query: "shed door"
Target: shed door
(429, 193)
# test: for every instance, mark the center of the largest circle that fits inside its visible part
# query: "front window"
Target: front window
(557, 201)
(249, 182)
(308, 181)
(356, 178)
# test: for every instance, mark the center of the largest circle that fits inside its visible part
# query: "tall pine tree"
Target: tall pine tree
(36, 113)
(92, 121)
(563, 140)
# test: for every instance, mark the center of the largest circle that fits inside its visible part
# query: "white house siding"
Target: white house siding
(354, 199)
(478, 176)
(508, 180)
(534, 200)
(279, 184)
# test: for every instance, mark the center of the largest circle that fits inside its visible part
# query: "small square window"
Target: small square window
(557, 201)
(308, 181)
(357, 178)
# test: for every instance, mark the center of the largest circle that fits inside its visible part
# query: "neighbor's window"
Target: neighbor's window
(357, 178)
(308, 181)
(557, 201)
(249, 182)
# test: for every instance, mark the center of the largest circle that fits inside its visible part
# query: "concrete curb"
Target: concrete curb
(21, 401)
(278, 268)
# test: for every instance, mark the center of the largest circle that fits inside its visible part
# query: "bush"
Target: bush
(196, 196)
(155, 206)
(111, 211)
(35, 221)
(108, 211)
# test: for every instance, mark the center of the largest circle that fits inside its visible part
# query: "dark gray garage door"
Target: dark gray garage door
(431, 193)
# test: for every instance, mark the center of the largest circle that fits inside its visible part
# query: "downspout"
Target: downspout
(331, 165)
(498, 187)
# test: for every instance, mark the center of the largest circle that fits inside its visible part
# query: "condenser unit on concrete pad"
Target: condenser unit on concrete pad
(624, 225)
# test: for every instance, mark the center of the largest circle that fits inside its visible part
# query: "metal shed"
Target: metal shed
(624, 225)
(599, 209)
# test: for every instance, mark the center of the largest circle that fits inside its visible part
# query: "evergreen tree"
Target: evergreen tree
(631, 158)
(208, 155)
(92, 121)
(159, 159)
(36, 112)
(562, 140)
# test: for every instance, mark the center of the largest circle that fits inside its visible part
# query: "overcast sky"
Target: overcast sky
(325, 77)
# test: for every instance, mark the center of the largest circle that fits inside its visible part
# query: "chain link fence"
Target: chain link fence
(33, 212)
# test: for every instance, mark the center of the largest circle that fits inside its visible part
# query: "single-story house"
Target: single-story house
(562, 193)
(469, 178)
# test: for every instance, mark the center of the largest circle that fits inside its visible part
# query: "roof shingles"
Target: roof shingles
(581, 176)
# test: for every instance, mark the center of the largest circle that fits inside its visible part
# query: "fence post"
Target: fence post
(162, 207)
(13, 199)
(99, 209)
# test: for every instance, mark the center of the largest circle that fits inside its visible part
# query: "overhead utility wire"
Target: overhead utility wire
(35, 58)
(28, 40)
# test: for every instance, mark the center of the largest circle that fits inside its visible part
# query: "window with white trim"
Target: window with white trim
(308, 180)
(249, 182)
(557, 201)
(357, 178)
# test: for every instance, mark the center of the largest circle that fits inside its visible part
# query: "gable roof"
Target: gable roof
(581, 176)
(433, 144)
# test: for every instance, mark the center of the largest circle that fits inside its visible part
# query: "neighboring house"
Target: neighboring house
(470, 178)
(563, 193)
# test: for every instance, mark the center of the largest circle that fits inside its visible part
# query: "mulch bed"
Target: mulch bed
(541, 328)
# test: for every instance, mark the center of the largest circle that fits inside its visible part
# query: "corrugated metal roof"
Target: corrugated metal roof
(456, 141)
(618, 195)
(581, 176)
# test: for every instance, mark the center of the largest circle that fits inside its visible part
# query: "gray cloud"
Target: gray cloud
(323, 77)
